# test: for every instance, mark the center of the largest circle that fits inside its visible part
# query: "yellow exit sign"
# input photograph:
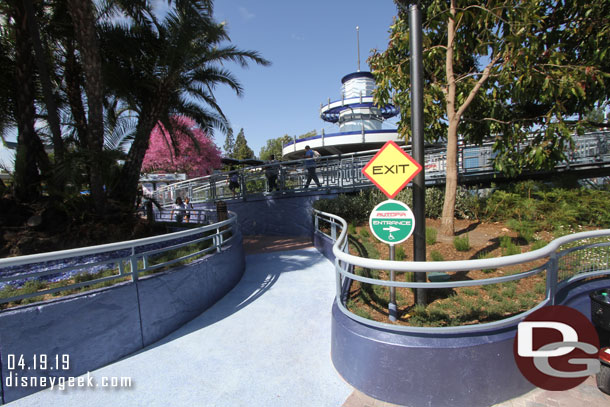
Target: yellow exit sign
(391, 169)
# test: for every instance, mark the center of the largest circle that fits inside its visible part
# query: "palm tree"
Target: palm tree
(169, 68)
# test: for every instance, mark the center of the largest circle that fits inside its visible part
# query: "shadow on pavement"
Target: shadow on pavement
(262, 272)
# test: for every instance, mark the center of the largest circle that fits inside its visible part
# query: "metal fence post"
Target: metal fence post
(551, 278)
(333, 230)
(133, 260)
(218, 240)
(392, 310)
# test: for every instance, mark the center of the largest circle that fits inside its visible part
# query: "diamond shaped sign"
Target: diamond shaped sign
(391, 169)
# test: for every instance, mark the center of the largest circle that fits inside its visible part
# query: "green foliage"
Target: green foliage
(539, 244)
(536, 82)
(435, 255)
(229, 144)
(461, 243)
(364, 233)
(311, 133)
(524, 229)
(508, 246)
(431, 234)
(535, 206)
(351, 228)
(505, 241)
(399, 253)
(241, 150)
(357, 206)
(274, 147)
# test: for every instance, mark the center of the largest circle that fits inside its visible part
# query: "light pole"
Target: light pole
(417, 144)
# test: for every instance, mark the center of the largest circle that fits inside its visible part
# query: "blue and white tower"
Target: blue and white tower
(359, 120)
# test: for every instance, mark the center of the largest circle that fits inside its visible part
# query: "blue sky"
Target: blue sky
(312, 45)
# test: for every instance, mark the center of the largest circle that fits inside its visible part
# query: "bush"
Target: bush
(546, 207)
(431, 234)
(539, 244)
(524, 229)
(461, 244)
(435, 255)
(399, 253)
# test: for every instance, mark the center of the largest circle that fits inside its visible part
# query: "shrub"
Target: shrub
(435, 255)
(524, 229)
(351, 229)
(399, 253)
(505, 241)
(511, 249)
(486, 255)
(539, 244)
(431, 234)
(364, 233)
(461, 244)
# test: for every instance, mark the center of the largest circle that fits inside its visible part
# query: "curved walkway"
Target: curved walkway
(274, 351)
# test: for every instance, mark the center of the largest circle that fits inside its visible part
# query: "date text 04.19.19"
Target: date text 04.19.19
(38, 362)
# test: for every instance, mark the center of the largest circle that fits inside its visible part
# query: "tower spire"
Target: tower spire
(358, 45)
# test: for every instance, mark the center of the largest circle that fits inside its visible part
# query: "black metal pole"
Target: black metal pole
(417, 143)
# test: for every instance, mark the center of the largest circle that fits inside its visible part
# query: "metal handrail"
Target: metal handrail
(344, 262)
(132, 252)
(343, 172)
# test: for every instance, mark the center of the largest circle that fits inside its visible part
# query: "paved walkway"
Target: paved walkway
(266, 343)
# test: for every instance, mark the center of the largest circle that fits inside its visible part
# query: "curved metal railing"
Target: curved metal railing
(122, 260)
(557, 273)
(343, 173)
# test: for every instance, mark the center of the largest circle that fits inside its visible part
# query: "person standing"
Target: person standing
(233, 181)
(180, 210)
(310, 166)
(188, 205)
(271, 172)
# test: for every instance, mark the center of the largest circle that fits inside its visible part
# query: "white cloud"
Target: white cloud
(245, 14)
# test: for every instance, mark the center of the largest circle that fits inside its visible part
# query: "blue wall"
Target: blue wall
(476, 369)
(275, 215)
(101, 326)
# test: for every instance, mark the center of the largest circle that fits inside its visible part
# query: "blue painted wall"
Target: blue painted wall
(435, 370)
(275, 215)
(102, 326)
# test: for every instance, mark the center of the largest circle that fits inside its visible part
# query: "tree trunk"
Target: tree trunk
(40, 54)
(130, 173)
(447, 217)
(28, 157)
(81, 12)
(73, 91)
(451, 182)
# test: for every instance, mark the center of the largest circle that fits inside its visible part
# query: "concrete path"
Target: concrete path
(266, 343)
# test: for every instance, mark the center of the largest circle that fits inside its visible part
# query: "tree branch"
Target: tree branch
(480, 82)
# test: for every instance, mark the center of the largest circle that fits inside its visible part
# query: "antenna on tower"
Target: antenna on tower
(358, 44)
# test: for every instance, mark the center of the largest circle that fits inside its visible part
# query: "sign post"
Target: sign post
(391, 169)
(392, 222)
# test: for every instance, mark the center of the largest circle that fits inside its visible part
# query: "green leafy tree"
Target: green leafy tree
(178, 64)
(308, 134)
(229, 144)
(516, 70)
(241, 150)
(274, 147)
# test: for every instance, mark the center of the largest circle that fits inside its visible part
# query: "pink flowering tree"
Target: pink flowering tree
(192, 152)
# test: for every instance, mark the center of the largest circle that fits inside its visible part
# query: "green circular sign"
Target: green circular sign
(392, 222)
